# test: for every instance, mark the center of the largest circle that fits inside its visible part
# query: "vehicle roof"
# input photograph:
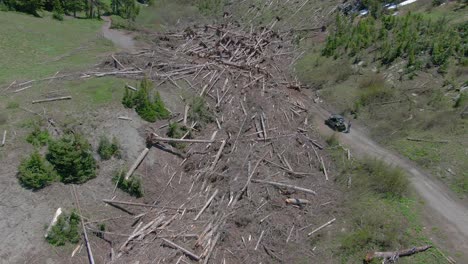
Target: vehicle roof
(337, 116)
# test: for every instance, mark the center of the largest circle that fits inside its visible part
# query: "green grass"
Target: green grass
(32, 47)
(98, 91)
(378, 219)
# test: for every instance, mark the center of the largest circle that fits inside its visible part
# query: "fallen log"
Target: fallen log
(155, 137)
(149, 205)
(218, 155)
(286, 186)
(185, 251)
(85, 234)
(52, 99)
(124, 118)
(22, 89)
(130, 203)
(53, 222)
(206, 205)
(426, 140)
(322, 226)
(4, 138)
(136, 163)
(394, 255)
(131, 87)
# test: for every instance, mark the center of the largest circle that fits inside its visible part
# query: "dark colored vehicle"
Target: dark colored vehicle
(337, 122)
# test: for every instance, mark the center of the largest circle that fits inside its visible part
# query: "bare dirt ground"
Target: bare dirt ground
(122, 40)
(442, 208)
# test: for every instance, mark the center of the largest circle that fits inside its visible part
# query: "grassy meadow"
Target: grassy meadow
(32, 47)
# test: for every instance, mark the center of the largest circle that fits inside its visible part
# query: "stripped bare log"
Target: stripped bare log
(118, 62)
(22, 89)
(130, 87)
(322, 226)
(394, 255)
(185, 251)
(278, 184)
(52, 99)
(4, 138)
(206, 205)
(54, 221)
(124, 118)
(324, 168)
(136, 163)
(86, 240)
(148, 205)
(218, 155)
(155, 137)
(259, 240)
(187, 107)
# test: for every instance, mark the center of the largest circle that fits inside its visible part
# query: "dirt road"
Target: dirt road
(120, 39)
(443, 208)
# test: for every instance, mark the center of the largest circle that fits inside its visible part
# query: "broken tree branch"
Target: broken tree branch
(394, 255)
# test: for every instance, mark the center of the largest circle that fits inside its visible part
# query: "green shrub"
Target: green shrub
(178, 131)
(332, 141)
(199, 112)
(72, 158)
(65, 230)
(131, 186)
(375, 224)
(58, 11)
(36, 173)
(38, 137)
(373, 90)
(57, 16)
(108, 149)
(12, 105)
(381, 178)
(462, 100)
(148, 105)
(210, 7)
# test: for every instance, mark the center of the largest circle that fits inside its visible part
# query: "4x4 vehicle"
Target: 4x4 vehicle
(337, 122)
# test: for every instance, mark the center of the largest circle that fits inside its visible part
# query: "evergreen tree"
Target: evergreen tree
(35, 173)
(74, 6)
(72, 158)
(58, 10)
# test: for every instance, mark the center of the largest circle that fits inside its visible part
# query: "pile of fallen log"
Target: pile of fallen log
(244, 78)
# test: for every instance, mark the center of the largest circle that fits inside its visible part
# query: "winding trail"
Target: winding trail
(121, 39)
(443, 208)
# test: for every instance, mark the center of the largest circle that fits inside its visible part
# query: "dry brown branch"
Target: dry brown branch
(426, 140)
(394, 255)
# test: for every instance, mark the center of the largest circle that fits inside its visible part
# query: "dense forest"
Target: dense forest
(128, 9)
